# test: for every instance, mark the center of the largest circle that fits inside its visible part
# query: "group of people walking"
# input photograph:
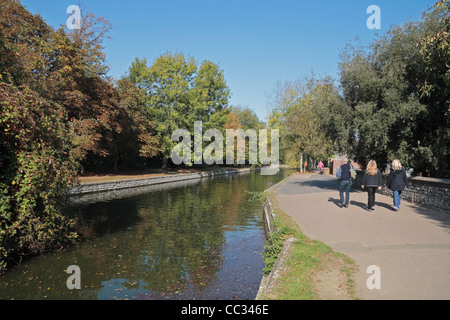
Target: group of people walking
(371, 181)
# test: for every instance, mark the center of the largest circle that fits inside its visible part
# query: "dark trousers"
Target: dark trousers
(371, 196)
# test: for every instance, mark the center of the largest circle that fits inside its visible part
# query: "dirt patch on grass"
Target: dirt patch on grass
(334, 280)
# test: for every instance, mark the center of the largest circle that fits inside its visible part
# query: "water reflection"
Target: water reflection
(197, 239)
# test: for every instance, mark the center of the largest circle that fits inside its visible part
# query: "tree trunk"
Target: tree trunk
(116, 159)
(301, 162)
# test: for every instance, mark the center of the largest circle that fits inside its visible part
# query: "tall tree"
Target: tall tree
(383, 85)
(247, 118)
(179, 92)
(36, 164)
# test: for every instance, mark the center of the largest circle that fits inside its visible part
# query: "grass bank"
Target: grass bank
(310, 270)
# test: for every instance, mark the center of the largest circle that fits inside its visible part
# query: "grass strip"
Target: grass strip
(296, 280)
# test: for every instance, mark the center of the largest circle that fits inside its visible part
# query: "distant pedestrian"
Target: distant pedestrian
(397, 181)
(371, 181)
(320, 166)
(345, 184)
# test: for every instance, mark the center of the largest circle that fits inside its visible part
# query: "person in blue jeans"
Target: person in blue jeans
(345, 184)
(397, 181)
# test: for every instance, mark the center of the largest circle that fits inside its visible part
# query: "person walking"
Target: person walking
(397, 181)
(371, 181)
(320, 166)
(345, 184)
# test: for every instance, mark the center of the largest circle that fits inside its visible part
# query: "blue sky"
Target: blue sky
(255, 43)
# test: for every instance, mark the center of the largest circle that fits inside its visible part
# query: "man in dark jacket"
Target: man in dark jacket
(345, 185)
(397, 181)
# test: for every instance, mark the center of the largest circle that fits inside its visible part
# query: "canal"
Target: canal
(197, 239)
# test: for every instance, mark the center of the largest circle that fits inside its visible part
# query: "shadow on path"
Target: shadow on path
(321, 183)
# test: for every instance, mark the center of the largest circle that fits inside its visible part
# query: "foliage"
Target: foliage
(35, 169)
(301, 120)
(272, 249)
(61, 115)
(179, 92)
(247, 118)
(58, 110)
(399, 97)
(392, 101)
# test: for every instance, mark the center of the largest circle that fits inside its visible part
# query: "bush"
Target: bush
(35, 170)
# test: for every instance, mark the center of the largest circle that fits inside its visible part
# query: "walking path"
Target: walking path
(410, 247)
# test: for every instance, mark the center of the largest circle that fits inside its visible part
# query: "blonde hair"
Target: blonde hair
(372, 167)
(396, 165)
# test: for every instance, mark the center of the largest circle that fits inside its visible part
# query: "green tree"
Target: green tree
(180, 92)
(247, 118)
(434, 86)
(138, 140)
(282, 101)
(300, 115)
(383, 86)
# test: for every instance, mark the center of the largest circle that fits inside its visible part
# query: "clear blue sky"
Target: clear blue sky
(255, 42)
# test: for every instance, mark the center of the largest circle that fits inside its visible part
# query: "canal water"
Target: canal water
(197, 239)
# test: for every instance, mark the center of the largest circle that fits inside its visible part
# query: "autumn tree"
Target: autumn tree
(57, 110)
(36, 163)
(36, 168)
(302, 131)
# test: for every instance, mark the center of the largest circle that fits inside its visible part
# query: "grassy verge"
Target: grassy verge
(306, 258)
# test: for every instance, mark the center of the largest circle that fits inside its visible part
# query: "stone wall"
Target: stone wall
(88, 188)
(432, 193)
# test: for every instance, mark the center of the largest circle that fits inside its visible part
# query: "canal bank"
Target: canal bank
(114, 185)
(304, 269)
(192, 239)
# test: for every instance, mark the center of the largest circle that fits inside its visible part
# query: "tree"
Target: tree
(282, 101)
(434, 87)
(138, 140)
(300, 114)
(384, 87)
(36, 164)
(57, 110)
(36, 167)
(179, 92)
(247, 118)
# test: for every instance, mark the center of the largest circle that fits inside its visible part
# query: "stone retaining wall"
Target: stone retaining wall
(135, 183)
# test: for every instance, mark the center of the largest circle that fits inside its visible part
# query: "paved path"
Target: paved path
(411, 247)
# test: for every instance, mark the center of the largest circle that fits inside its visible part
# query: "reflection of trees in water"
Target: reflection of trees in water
(177, 236)
(165, 241)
